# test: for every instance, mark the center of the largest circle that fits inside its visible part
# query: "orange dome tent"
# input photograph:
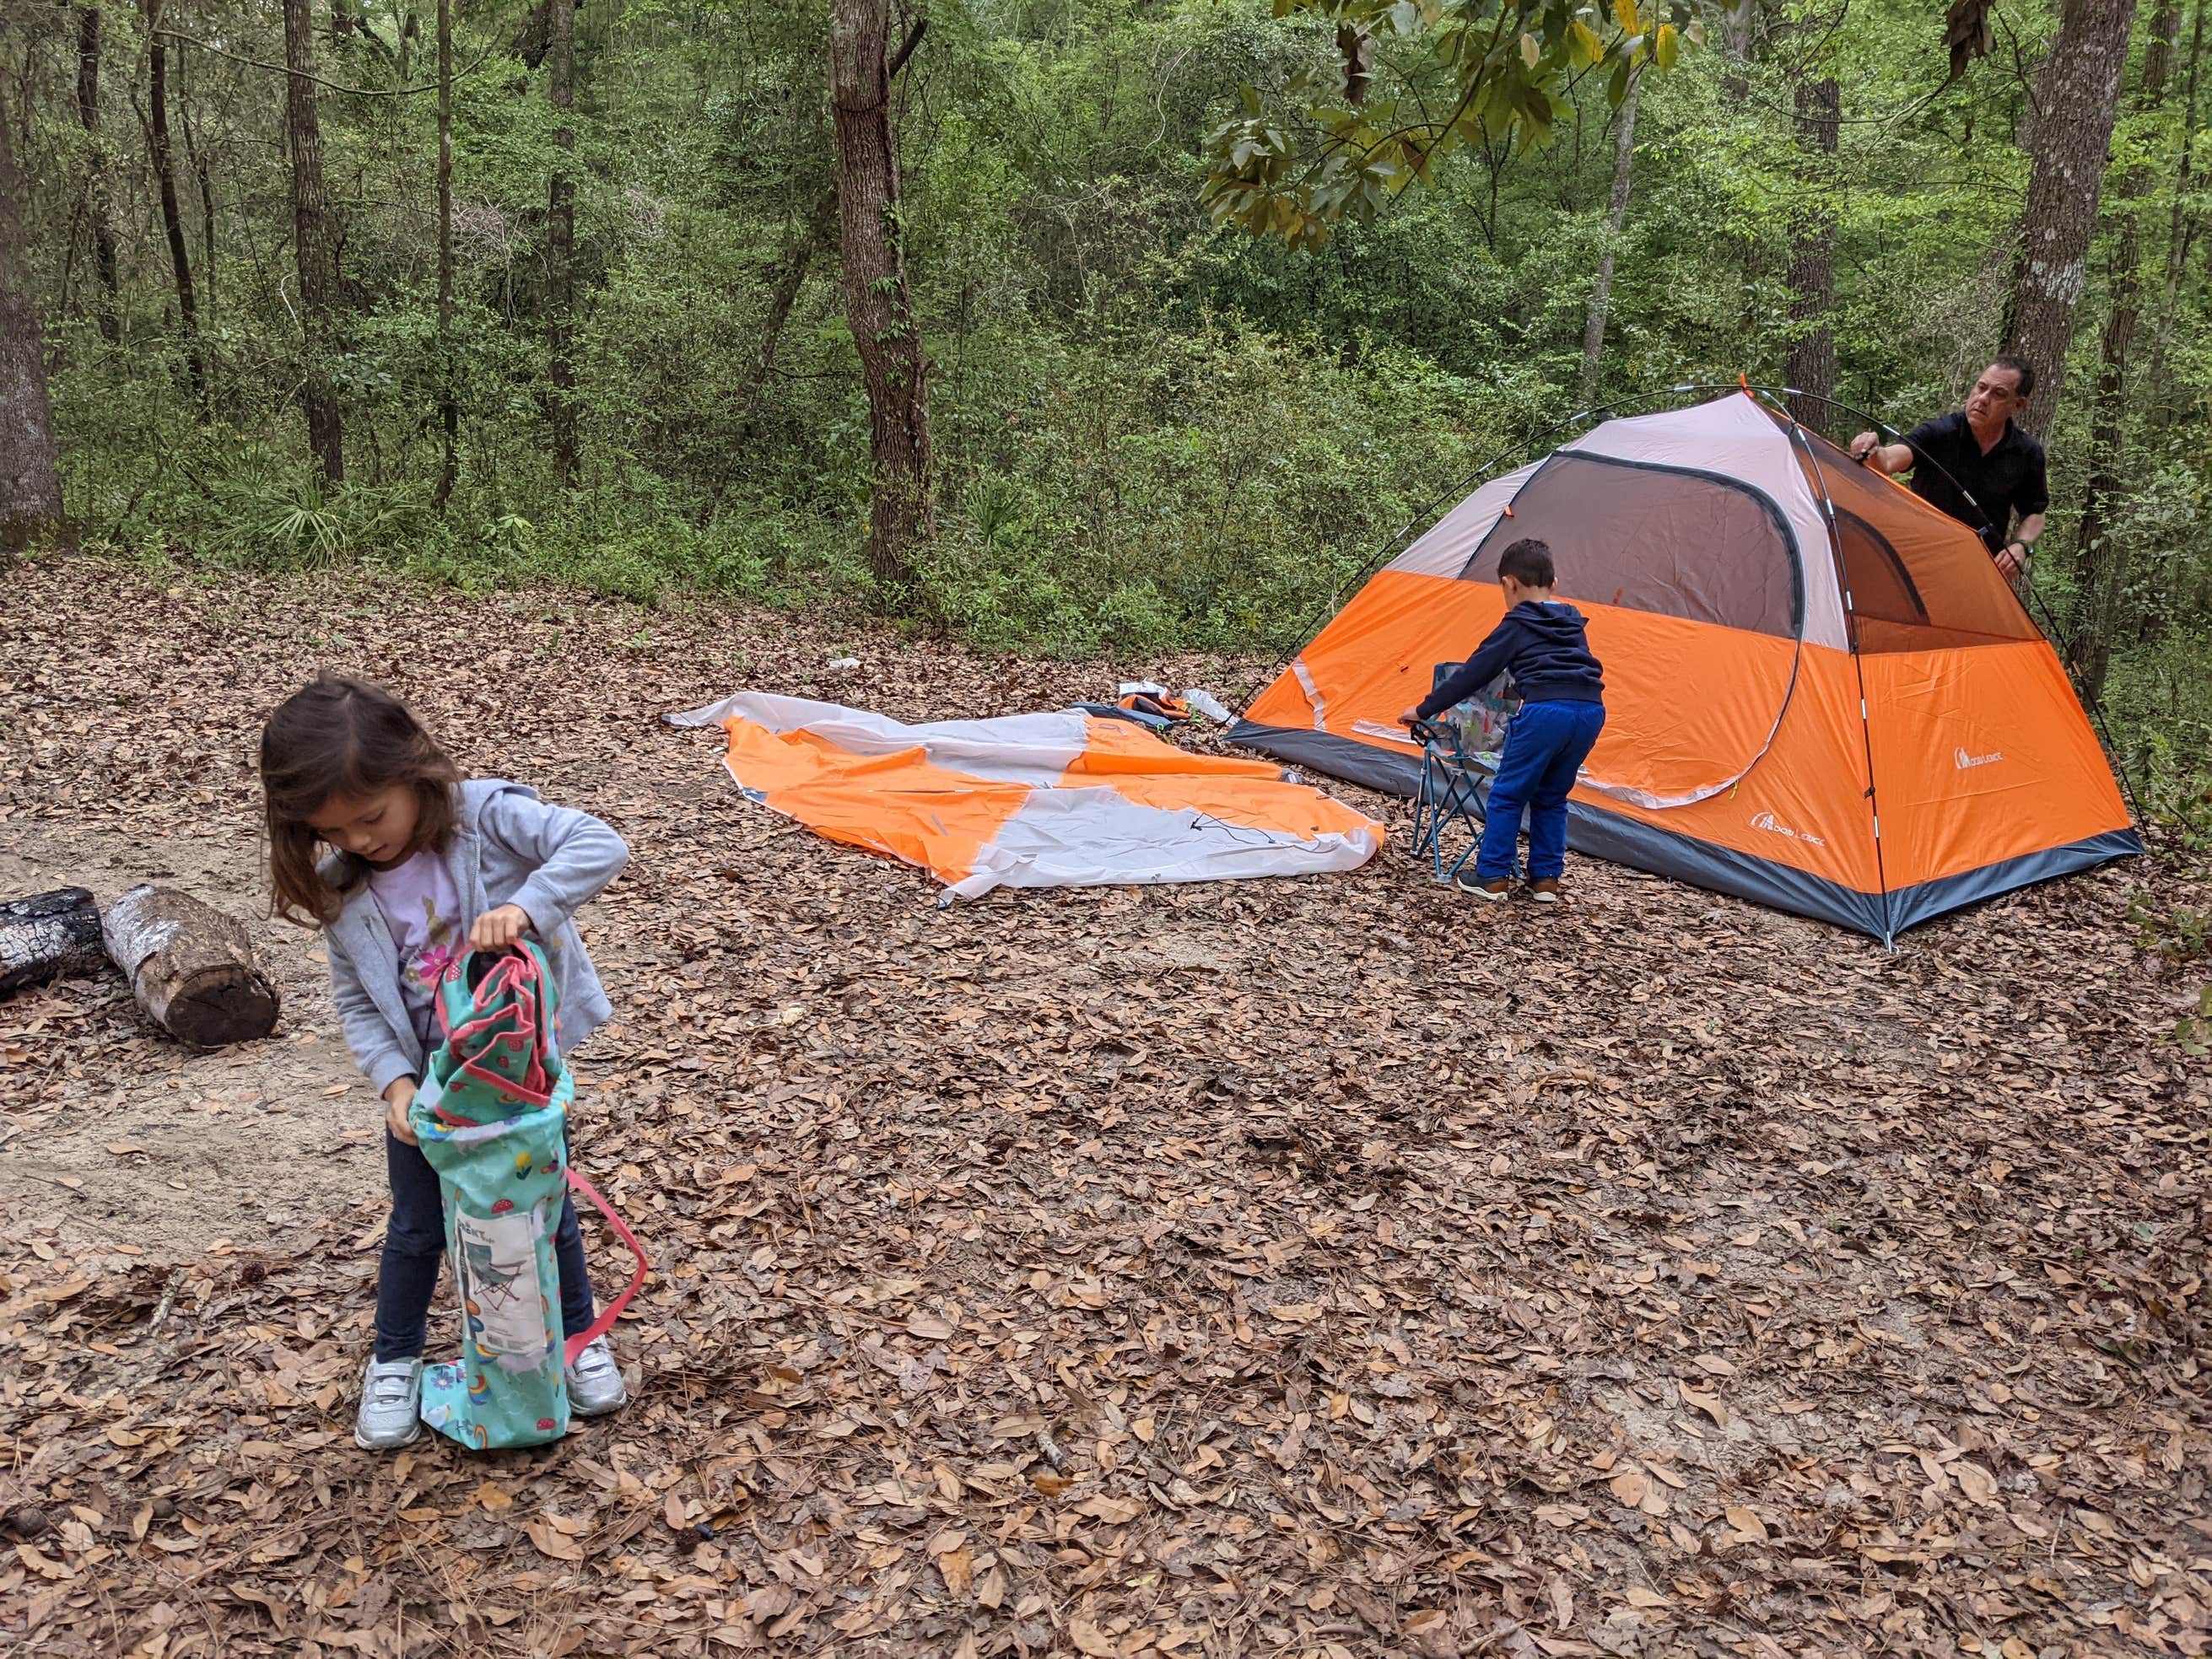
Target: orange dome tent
(1820, 693)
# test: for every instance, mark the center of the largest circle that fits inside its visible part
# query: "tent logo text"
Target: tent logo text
(1765, 821)
(1962, 760)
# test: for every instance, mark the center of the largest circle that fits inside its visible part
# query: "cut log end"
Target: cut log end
(219, 1008)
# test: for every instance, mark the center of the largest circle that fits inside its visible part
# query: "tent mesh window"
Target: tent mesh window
(1918, 579)
(1680, 542)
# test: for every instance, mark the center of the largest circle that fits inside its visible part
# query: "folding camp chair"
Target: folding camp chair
(1454, 779)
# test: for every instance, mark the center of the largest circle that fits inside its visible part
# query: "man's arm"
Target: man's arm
(1484, 666)
(2032, 501)
(2013, 556)
(1891, 458)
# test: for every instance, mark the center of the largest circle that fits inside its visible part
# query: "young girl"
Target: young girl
(422, 868)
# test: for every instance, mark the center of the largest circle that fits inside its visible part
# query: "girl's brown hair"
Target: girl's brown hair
(343, 737)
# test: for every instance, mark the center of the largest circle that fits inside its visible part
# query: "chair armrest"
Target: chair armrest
(1437, 732)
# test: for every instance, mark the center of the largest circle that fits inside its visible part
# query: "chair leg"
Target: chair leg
(1429, 818)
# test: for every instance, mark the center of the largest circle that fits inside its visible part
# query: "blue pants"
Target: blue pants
(415, 1244)
(1545, 744)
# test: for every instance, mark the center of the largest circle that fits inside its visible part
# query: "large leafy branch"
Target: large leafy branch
(1489, 72)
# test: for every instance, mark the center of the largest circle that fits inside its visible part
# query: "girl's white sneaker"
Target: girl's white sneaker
(390, 1414)
(595, 1382)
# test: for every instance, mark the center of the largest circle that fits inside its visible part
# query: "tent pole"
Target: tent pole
(1858, 667)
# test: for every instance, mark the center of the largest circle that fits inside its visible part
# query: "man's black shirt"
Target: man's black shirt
(1948, 457)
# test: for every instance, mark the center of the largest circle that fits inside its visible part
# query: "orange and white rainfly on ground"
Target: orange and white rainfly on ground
(1058, 799)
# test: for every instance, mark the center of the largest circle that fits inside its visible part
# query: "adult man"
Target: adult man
(1976, 465)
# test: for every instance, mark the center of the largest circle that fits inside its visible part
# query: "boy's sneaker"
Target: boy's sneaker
(595, 1384)
(1496, 890)
(1546, 891)
(390, 1414)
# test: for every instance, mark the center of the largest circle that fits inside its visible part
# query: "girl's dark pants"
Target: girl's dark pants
(416, 1241)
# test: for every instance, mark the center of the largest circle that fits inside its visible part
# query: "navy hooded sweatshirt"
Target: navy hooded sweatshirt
(1542, 644)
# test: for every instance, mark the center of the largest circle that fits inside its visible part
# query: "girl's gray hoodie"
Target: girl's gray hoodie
(508, 847)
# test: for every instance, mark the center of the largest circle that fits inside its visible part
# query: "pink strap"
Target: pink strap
(600, 1327)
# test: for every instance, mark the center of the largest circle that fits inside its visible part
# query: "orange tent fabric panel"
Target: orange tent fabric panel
(1983, 755)
(1804, 804)
(1933, 584)
(1115, 749)
(1688, 704)
(898, 803)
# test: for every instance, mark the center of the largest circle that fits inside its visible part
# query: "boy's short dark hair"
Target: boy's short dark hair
(1528, 561)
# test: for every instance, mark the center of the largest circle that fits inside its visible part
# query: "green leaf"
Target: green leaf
(1616, 89)
(1583, 42)
(1663, 46)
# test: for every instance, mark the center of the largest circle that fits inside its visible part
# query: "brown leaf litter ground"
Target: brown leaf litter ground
(1299, 1267)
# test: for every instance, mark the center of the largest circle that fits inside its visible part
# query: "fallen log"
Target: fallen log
(47, 935)
(191, 968)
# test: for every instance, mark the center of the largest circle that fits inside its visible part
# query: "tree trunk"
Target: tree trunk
(172, 221)
(311, 237)
(1810, 367)
(449, 412)
(47, 935)
(108, 311)
(798, 259)
(1616, 215)
(2180, 233)
(879, 304)
(534, 35)
(1735, 41)
(561, 244)
(30, 470)
(197, 159)
(1744, 249)
(2101, 552)
(191, 968)
(2077, 96)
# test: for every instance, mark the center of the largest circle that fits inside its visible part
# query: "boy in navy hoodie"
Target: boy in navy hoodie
(1562, 689)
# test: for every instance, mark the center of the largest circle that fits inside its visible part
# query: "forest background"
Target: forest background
(1142, 361)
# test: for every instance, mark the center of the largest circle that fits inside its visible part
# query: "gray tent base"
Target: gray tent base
(1622, 840)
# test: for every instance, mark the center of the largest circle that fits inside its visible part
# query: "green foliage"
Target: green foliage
(291, 520)
(2181, 935)
(1488, 73)
(1151, 432)
(1198, 491)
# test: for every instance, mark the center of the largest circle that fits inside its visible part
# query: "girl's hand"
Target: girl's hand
(503, 926)
(397, 1099)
